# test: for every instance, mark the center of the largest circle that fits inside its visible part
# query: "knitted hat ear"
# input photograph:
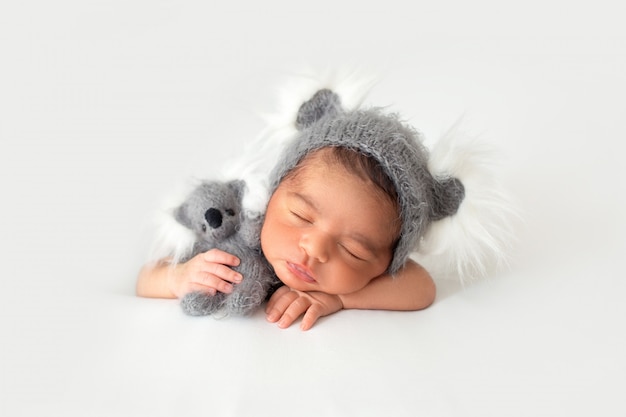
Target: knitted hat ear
(448, 193)
(474, 242)
(323, 103)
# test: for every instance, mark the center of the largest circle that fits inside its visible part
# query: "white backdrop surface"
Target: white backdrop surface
(107, 105)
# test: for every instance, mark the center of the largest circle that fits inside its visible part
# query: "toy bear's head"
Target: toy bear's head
(212, 210)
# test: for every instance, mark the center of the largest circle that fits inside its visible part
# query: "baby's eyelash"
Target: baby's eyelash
(299, 216)
(352, 254)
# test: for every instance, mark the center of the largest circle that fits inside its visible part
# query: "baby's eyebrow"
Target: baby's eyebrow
(365, 242)
(305, 199)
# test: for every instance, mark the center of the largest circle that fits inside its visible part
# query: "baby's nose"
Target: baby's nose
(214, 217)
(316, 245)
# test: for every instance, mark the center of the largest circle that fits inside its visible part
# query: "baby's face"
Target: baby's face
(328, 230)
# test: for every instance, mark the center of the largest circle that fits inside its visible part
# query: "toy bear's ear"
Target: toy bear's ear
(238, 187)
(323, 103)
(180, 214)
(448, 193)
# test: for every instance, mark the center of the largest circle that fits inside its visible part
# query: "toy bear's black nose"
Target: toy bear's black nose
(214, 217)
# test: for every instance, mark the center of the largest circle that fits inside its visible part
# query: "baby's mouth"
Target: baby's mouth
(301, 272)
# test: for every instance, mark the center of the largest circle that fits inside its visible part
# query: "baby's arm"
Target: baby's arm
(206, 272)
(411, 288)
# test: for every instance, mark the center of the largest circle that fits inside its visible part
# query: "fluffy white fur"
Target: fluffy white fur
(171, 239)
(474, 242)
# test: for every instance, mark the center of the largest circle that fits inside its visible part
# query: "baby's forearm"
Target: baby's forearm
(411, 289)
(153, 281)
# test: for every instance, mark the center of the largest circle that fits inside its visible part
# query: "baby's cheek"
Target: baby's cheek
(264, 238)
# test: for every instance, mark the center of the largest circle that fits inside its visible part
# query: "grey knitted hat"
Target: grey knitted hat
(398, 148)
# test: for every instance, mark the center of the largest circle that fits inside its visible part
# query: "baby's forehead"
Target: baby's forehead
(313, 184)
(326, 158)
(303, 170)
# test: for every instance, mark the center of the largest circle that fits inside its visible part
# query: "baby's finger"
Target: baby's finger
(295, 310)
(310, 317)
(193, 287)
(279, 303)
(222, 272)
(209, 280)
(220, 257)
(276, 298)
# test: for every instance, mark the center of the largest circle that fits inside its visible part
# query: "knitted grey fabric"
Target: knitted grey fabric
(398, 149)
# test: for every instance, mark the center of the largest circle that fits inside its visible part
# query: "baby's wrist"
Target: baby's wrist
(341, 302)
(172, 278)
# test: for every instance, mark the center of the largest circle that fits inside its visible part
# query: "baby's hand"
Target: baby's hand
(286, 305)
(206, 272)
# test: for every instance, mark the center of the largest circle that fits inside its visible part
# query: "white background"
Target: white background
(106, 105)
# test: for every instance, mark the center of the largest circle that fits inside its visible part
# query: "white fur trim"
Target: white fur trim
(473, 243)
(171, 239)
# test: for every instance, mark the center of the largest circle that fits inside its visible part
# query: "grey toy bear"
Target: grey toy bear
(213, 212)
